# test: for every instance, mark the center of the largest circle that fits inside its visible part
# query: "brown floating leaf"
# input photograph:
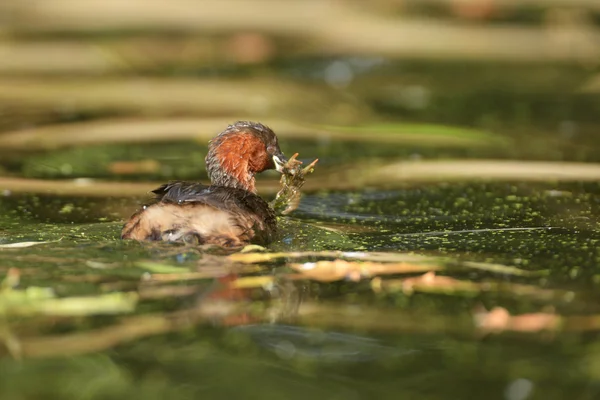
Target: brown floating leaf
(428, 282)
(328, 271)
(255, 258)
(499, 319)
(432, 283)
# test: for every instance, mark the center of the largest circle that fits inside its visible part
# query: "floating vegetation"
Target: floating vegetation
(292, 180)
(43, 301)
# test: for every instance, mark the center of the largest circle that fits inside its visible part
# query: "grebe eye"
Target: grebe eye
(270, 149)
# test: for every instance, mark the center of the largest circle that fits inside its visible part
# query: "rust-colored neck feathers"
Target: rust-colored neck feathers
(233, 159)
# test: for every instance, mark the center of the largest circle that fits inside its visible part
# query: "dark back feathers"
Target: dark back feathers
(238, 202)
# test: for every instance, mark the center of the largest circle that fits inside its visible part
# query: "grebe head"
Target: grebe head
(239, 152)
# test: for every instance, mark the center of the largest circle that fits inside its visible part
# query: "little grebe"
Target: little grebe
(227, 213)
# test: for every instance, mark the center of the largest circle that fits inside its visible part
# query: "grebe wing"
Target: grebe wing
(179, 191)
(233, 200)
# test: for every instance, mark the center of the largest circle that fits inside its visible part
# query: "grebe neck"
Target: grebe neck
(230, 162)
(239, 178)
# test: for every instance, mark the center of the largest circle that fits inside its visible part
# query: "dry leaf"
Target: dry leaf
(499, 319)
(431, 282)
(381, 257)
(328, 271)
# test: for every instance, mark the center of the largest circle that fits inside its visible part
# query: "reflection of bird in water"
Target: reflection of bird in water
(227, 213)
(289, 341)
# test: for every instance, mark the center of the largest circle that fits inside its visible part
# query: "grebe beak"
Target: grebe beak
(279, 161)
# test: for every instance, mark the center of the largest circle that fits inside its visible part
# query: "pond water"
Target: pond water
(299, 338)
(411, 269)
